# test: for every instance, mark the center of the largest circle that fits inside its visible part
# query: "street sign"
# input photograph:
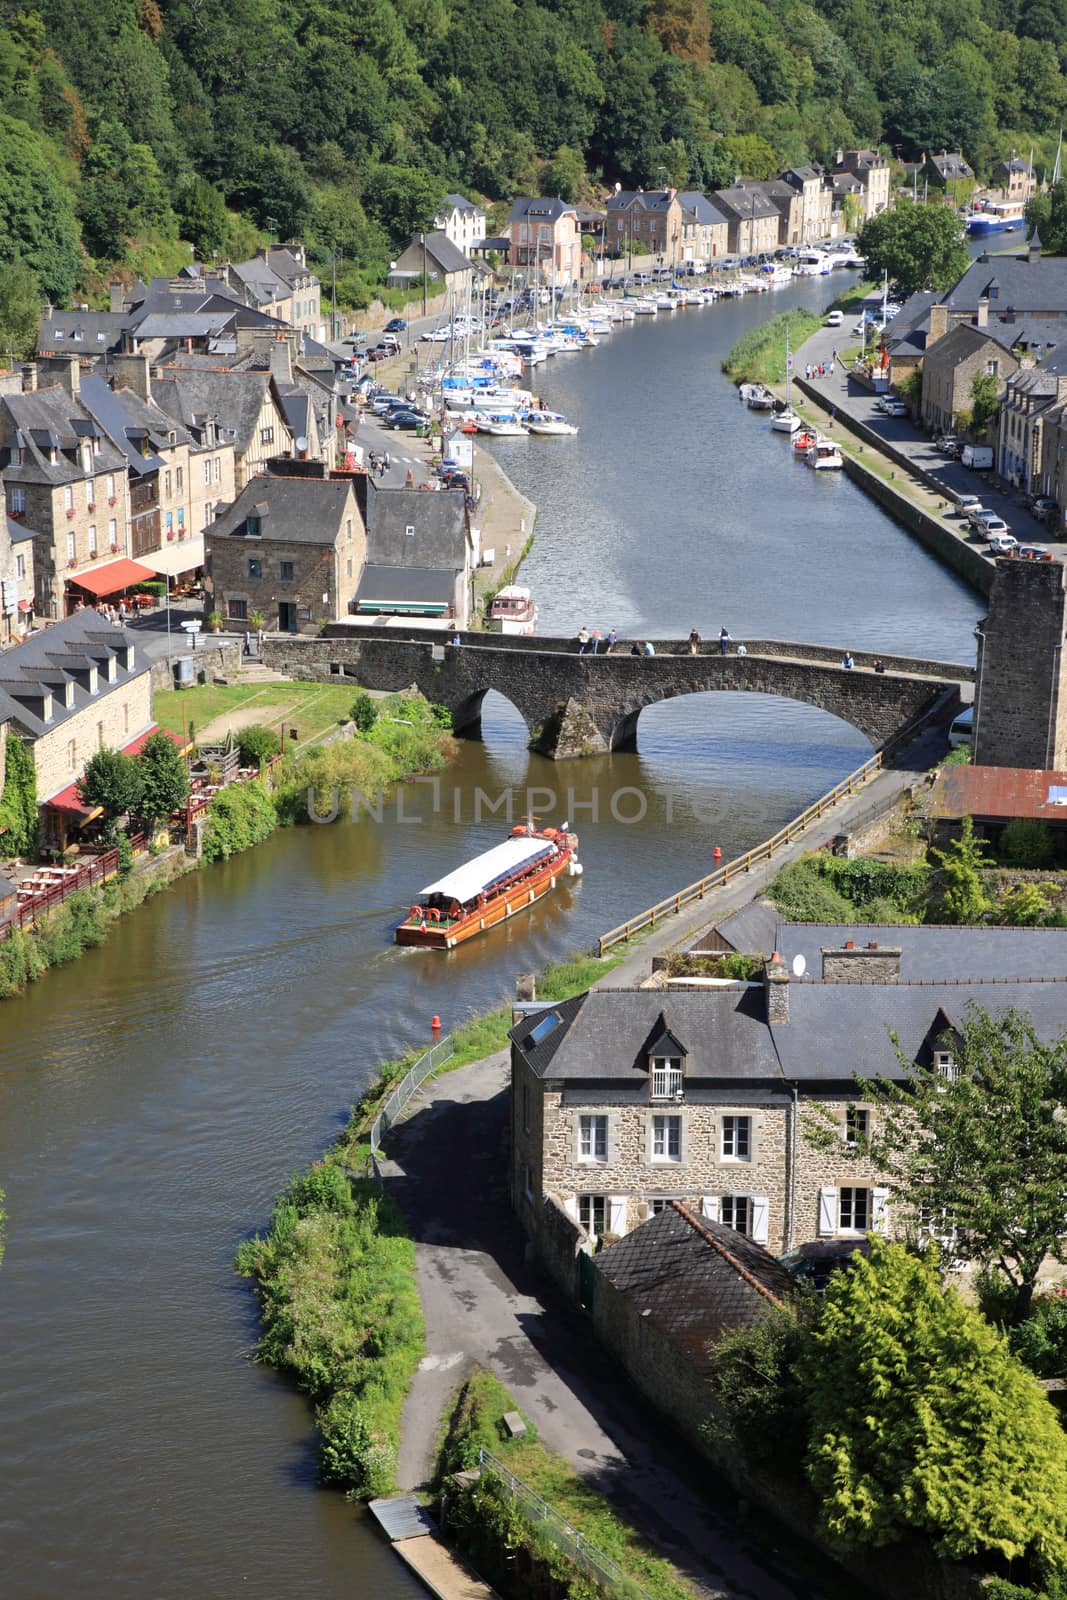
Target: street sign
(192, 627)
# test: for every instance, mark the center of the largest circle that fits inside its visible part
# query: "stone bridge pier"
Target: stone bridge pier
(589, 705)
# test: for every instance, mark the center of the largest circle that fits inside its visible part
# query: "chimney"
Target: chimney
(776, 989)
(64, 370)
(870, 963)
(117, 294)
(281, 359)
(132, 372)
(263, 346)
(982, 318)
(1033, 253)
(938, 324)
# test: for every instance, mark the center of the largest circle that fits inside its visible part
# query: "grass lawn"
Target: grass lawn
(310, 708)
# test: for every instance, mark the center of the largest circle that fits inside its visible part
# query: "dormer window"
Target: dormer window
(667, 1076)
(945, 1066)
(253, 525)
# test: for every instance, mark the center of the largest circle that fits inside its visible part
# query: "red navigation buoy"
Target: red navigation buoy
(716, 854)
(435, 1024)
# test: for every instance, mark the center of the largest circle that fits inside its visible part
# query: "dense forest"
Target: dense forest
(130, 129)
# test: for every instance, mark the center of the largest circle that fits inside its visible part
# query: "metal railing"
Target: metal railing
(91, 873)
(407, 1089)
(541, 1517)
(732, 869)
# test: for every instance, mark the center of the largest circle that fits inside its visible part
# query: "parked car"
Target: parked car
(1043, 506)
(976, 515)
(962, 729)
(966, 503)
(1034, 552)
(354, 338)
(396, 326)
(382, 402)
(979, 457)
(1003, 544)
(896, 408)
(436, 336)
(453, 478)
(835, 319)
(405, 421)
(946, 443)
(993, 528)
(381, 352)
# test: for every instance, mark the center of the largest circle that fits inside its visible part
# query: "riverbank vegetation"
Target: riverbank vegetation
(508, 1549)
(759, 355)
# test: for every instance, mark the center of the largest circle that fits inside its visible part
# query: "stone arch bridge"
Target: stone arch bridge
(582, 705)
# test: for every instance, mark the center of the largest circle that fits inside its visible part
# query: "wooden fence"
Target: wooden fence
(92, 872)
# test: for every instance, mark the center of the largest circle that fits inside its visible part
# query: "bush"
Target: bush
(241, 816)
(1026, 842)
(257, 745)
(18, 803)
(364, 713)
(1024, 907)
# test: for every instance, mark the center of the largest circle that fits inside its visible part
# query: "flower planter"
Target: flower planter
(114, 549)
(113, 500)
(70, 515)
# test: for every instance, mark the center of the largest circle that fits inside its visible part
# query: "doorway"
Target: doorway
(287, 616)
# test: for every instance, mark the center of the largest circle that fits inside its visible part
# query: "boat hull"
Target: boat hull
(445, 936)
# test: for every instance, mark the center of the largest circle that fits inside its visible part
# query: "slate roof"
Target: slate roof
(51, 416)
(950, 164)
(645, 199)
(439, 520)
(703, 209)
(939, 954)
(34, 668)
(185, 324)
(959, 342)
(289, 267)
(1035, 287)
(459, 202)
(292, 510)
(744, 201)
(379, 585)
(694, 1280)
(17, 532)
(235, 397)
(753, 928)
(83, 331)
(544, 210)
(120, 412)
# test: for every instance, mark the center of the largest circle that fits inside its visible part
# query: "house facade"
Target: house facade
(651, 218)
(461, 221)
(278, 280)
(545, 237)
(1032, 407)
(949, 172)
(289, 548)
(816, 193)
(434, 256)
(753, 220)
(623, 1101)
(245, 406)
(952, 362)
(16, 579)
(869, 169)
(418, 556)
(1013, 180)
(705, 231)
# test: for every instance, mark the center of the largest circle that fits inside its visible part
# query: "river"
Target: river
(155, 1096)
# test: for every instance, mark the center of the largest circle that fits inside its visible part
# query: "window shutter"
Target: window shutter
(709, 1207)
(880, 1210)
(617, 1214)
(613, 1139)
(570, 1206)
(827, 1212)
(760, 1210)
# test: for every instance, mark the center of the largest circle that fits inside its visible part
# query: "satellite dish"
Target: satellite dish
(800, 966)
(301, 443)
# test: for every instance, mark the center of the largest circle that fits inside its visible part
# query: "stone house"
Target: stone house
(461, 221)
(291, 548)
(16, 578)
(278, 279)
(624, 1100)
(246, 407)
(649, 217)
(816, 193)
(870, 169)
(954, 358)
(789, 203)
(418, 555)
(65, 479)
(948, 172)
(753, 220)
(1020, 717)
(545, 236)
(75, 688)
(705, 231)
(1032, 408)
(1014, 180)
(443, 263)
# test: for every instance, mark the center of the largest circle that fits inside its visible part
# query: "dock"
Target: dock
(414, 1536)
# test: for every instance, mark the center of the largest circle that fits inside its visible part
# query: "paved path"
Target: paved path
(855, 400)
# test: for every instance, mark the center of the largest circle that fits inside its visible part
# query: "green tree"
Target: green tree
(18, 802)
(920, 247)
(164, 779)
(37, 225)
(963, 898)
(922, 1421)
(364, 713)
(112, 781)
(257, 745)
(985, 397)
(1024, 907)
(1026, 842)
(977, 1152)
(402, 199)
(564, 174)
(20, 311)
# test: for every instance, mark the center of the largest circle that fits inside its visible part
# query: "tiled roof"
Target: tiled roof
(694, 1280)
(292, 510)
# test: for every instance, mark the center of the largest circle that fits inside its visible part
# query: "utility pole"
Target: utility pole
(272, 223)
(422, 242)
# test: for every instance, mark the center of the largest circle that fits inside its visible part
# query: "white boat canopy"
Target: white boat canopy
(478, 876)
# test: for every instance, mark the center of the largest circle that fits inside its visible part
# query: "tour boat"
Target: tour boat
(503, 427)
(491, 888)
(997, 217)
(513, 608)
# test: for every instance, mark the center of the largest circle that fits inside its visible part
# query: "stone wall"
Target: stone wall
(110, 721)
(222, 660)
(1020, 704)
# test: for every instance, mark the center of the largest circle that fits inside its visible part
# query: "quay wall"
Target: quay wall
(209, 661)
(942, 542)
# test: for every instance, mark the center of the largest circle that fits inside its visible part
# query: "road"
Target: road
(853, 399)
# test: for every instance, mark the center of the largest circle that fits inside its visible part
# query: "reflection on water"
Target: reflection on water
(154, 1097)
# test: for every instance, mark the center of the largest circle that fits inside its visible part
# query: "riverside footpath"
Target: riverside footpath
(486, 1304)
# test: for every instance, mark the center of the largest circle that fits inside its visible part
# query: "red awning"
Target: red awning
(67, 799)
(25, 605)
(113, 577)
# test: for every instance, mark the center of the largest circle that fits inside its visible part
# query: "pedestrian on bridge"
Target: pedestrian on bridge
(847, 661)
(583, 640)
(612, 640)
(724, 640)
(596, 640)
(694, 641)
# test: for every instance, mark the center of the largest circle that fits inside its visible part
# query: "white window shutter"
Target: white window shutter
(570, 1206)
(880, 1210)
(617, 1214)
(760, 1209)
(827, 1212)
(709, 1207)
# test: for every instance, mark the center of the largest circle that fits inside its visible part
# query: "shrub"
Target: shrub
(364, 713)
(125, 849)
(239, 817)
(18, 803)
(257, 745)
(1024, 907)
(1026, 842)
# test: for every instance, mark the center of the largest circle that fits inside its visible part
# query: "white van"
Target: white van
(962, 729)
